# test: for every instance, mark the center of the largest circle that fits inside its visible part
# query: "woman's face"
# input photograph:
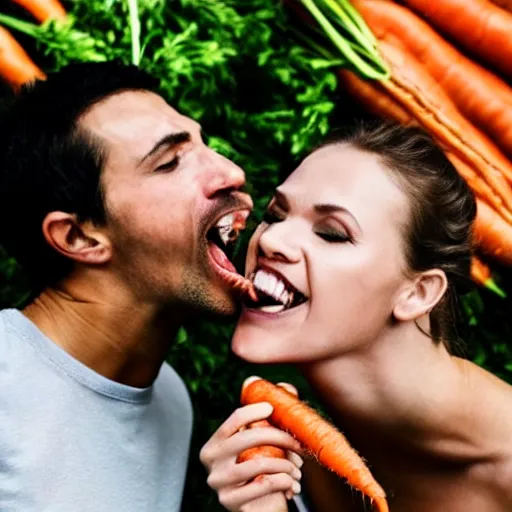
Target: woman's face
(329, 256)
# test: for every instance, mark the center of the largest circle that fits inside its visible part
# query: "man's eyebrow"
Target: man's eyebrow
(170, 140)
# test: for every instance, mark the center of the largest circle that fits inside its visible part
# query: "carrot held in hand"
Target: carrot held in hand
(317, 435)
(261, 451)
(16, 67)
(504, 4)
(478, 25)
(43, 10)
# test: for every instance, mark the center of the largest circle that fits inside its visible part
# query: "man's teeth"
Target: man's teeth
(226, 221)
(225, 227)
(272, 286)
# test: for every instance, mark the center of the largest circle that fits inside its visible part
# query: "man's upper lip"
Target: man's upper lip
(271, 270)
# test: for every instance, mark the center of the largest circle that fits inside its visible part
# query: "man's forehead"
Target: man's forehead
(137, 118)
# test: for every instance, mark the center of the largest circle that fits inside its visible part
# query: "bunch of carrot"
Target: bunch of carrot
(16, 67)
(464, 104)
(320, 438)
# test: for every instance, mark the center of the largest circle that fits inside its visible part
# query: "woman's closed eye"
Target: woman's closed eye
(333, 235)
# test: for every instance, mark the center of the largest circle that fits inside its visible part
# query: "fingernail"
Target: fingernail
(300, 461)
(289, 387)
(250, 380)
(296, 487)
(289, 495)
(297, 474)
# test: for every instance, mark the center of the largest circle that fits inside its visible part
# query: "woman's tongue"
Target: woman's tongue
(220, 258)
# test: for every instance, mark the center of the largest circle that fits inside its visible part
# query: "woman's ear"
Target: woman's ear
(79, 241)
(421, 296)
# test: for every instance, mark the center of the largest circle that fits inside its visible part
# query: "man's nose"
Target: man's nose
(224, 176)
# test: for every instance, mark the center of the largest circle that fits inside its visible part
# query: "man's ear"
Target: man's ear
(421, 296)
(80, 241)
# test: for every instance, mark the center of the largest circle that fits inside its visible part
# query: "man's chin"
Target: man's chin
(223, 304)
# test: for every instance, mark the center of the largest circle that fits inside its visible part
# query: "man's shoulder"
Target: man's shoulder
(171, 386)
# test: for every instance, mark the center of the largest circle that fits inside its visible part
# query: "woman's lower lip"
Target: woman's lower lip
(257, 313)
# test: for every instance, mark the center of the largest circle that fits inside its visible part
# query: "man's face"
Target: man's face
(165, 190)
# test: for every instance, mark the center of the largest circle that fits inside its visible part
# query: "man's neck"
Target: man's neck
(116, 337)
(407, 395)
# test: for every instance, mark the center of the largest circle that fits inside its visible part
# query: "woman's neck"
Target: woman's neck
(406, 394)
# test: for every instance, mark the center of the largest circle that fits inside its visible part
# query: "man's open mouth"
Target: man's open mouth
(274, 292)
(221, 239)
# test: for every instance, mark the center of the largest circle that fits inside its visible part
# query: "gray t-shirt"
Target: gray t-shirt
(72, 440)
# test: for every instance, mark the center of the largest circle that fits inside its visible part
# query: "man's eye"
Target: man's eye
(333, 236)
(168, 166)
(270, 217)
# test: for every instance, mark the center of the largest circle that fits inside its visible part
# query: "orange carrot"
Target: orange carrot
(481, 275)
(504, 4)
(374, 98)
(16, 67)
(492, 234)
(317, 435)
(482, 97)
(478, 25)
(419, 93)
(43, 10)
(261, 451)
(480, 187)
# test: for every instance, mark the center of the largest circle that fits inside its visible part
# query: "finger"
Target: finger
(289, 387)
(237, 474)
(234, 498)
(241, 417)
(253, 437)
(295, 458)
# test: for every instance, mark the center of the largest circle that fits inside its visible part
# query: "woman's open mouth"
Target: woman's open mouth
(221, 239)
(274, 293)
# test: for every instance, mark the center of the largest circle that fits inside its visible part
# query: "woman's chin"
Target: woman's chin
(256, 346)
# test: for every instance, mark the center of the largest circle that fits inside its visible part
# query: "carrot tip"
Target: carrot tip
(491, 285)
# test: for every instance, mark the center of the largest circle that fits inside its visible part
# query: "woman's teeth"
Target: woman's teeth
(270, 285)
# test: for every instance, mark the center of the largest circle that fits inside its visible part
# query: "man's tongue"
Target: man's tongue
(220, 258)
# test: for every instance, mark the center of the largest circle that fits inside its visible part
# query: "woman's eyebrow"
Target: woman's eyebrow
(333, 208)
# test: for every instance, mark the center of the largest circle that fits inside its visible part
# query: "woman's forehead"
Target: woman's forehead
(342, 174)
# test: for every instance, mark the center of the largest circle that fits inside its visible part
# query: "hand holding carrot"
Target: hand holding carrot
(237, 484)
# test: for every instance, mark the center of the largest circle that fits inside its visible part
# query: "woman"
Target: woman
(362, 250)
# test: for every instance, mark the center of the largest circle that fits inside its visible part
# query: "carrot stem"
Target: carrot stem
(491, 285)
(133, 10)
(379, 72)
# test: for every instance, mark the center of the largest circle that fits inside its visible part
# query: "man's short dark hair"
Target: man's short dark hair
(49, 163)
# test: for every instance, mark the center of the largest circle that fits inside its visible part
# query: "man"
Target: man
(119, 213)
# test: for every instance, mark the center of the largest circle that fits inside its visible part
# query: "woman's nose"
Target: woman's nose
(279, 242)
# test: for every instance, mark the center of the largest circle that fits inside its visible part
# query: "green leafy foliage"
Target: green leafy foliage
(264, 99)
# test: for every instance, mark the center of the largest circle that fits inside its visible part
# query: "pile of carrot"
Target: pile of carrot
(327, 444)
(450, 65)
(16, 67)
